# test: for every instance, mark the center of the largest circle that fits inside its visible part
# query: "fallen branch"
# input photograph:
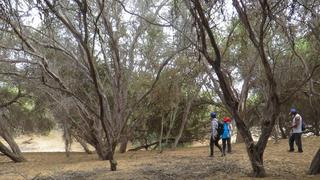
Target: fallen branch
(146, 146)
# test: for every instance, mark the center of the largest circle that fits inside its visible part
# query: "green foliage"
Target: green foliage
(26, 115)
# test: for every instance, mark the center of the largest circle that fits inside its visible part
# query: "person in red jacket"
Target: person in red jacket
(226, 135)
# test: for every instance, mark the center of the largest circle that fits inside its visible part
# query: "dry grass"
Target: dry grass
(184, 163)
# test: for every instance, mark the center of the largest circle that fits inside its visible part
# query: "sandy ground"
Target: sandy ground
(52, 142)
(183, 163)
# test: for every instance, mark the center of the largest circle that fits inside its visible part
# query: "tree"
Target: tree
(258, 34)
(89, 40)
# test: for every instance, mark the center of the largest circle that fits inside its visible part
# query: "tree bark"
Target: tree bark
(239, 138)
(315, 164)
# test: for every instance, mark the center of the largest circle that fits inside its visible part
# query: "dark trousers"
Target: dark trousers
(226, 142)
(216, 143)
(295, 137)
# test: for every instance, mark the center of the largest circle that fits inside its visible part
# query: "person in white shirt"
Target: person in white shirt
(214, 139)
(296, 132)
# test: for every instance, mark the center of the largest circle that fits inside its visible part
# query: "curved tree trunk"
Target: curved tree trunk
(11, 142)
(13, 156)
(315, 164)
(15, 152)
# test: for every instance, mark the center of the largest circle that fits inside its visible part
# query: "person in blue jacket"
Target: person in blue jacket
(226, 135)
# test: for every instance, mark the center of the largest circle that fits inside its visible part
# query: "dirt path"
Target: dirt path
(184, 163)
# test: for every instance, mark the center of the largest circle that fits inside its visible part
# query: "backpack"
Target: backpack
(303, 126)
(220, 128)
(226, 131)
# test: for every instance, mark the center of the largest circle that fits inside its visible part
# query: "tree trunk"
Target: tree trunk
(316, 122)
(123, 144)
(315, 164)
(112, 161)
(275, 132)
(66, 137)
(183, 123)
(256, 159)
(283, 134)
(239, 138)
(13, 156)
(161, 133)
(172, 120)
(314, 110)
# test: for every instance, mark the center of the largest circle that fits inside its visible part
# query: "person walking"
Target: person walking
(226, 135)
(214, 139)
(296, 131)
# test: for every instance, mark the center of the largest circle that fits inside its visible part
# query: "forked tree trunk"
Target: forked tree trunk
(315, 164)
(256, 159)
(107, 153)
(255, 152)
